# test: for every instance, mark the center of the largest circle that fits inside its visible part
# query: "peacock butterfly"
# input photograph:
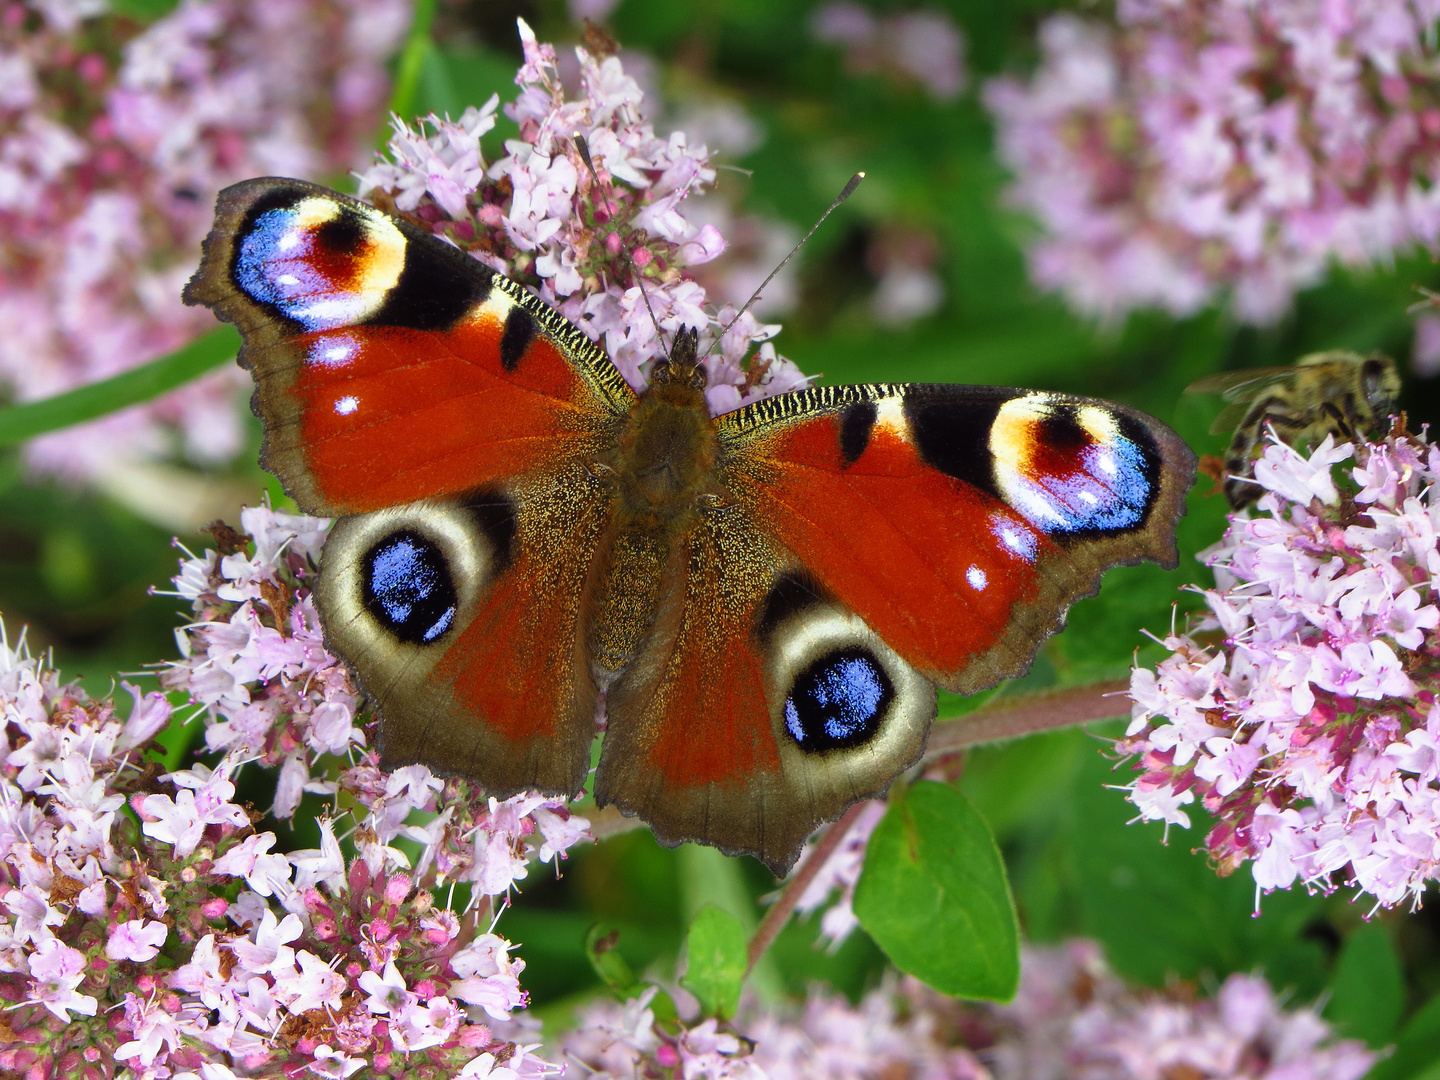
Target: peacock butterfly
(765, 600)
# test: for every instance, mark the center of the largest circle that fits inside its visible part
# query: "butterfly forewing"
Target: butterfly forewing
(390, 366)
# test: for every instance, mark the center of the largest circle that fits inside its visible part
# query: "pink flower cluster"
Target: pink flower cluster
(587, 243)
(1302, 712)
(922, 47)
(147, 927)
(114, 140)
(255, 662)
(1207, 147)
(1071, 1018)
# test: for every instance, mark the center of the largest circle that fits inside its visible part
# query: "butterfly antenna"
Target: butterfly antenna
(640, 284)
(845, 193)
(584, 150)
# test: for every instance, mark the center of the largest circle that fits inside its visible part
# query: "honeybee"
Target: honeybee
(1333, 392)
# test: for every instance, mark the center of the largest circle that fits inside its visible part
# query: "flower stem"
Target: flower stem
(784, 906)
(1010, 718)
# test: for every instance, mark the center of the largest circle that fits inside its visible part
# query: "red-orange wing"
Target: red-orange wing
(873, 540)
(450, 420)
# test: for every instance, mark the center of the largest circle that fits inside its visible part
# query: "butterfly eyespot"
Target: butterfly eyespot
(839, 701)
(408, 587)
(318, 262)
(1073, 469)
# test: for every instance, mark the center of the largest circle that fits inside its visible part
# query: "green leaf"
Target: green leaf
(715, 961)
(21, 422)
(1368, 989)
(614, 972)
(933, 894)
(1417, 1051)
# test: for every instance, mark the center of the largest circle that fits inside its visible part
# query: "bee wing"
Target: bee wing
(1239, 389)
(1246, 383)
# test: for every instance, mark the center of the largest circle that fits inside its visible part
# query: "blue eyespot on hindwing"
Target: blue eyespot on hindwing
(407, 587)
(838, 701)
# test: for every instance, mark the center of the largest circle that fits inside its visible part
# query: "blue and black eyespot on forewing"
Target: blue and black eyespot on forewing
(1073, 469)
(323, 264)
(839, 701)
(1114, 487)
(407, 587)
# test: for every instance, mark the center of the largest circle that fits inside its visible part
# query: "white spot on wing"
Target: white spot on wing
(890, 415)
(976, 577)
(333, 350)
(347, 404)
(1018, 539)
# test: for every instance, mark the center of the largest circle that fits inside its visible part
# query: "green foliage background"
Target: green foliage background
(77, 567)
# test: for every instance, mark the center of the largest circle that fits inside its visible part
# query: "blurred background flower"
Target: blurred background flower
(1202, 151)
(114, 139)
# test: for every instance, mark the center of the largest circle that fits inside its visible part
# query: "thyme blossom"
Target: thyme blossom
(1301, 713)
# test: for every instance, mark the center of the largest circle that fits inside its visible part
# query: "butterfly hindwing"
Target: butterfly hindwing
(758, 707)
(448, 418)
(465, 620)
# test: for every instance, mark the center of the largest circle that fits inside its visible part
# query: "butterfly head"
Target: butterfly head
(682, 367)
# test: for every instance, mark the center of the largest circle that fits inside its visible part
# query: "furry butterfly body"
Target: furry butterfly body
(764, 600)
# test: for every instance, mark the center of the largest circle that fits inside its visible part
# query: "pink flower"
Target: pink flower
(1162, 174)
(105, 195)
(1070, 1018)
(270, 949)
(157, 1029)
(387, 993)
(924, 47)
(586, 242)
(56, 970)
(135, 939)
(203, 800)
(313, 986)
(333, 1064)
(1307, 735)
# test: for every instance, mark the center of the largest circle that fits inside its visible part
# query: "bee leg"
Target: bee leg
(1340, 421)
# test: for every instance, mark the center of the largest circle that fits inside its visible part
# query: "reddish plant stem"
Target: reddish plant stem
(784, 906)
(1008, 718)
